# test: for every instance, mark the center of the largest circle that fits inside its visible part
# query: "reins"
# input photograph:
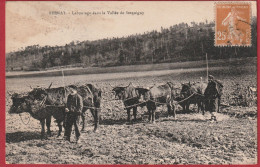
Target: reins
(131, 106)
(23, 121)
(43, 101)
(189, 97)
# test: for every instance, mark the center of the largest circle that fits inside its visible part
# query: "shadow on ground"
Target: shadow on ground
(119, 122)
(16, 137)
(184, 120)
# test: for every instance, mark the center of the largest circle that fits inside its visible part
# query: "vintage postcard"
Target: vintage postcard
(131, 82)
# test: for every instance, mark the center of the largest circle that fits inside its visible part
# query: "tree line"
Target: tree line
(180, 42)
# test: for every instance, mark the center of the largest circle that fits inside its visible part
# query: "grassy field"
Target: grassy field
(136, 68)
(189, 139)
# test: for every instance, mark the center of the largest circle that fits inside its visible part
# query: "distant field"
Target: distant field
(137, 68)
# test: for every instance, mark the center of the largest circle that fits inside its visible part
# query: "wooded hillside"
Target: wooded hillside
(173, 44)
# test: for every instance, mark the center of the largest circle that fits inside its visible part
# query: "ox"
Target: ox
(42, 103)
(25, 103)
(160, 95)
(131, 98)
(193, 94)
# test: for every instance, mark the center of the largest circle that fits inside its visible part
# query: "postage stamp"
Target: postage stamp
(233, 24)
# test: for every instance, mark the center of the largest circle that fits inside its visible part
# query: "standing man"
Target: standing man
(213, 94)
(73, 110)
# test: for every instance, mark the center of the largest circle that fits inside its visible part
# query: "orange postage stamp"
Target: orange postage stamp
(233, 24)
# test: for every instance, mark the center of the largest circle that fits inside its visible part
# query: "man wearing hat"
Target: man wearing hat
(213, 94)
(73, 110)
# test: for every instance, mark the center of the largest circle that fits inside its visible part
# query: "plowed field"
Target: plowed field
(188, 139)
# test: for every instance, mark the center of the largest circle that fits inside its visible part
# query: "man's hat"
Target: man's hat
(73, 91)
(211, 77)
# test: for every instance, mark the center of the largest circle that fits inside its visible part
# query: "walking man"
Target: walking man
(73, 110)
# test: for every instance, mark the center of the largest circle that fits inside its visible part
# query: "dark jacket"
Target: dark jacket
(75, 103)
(214, 89)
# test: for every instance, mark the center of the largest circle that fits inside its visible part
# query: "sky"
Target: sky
(31, 23)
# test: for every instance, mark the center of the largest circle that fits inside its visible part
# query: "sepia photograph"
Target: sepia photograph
(131, 82)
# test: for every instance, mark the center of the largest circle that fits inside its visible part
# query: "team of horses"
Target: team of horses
(45, 103)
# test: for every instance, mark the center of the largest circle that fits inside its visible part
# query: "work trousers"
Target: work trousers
(213, 105)
(71, 119)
